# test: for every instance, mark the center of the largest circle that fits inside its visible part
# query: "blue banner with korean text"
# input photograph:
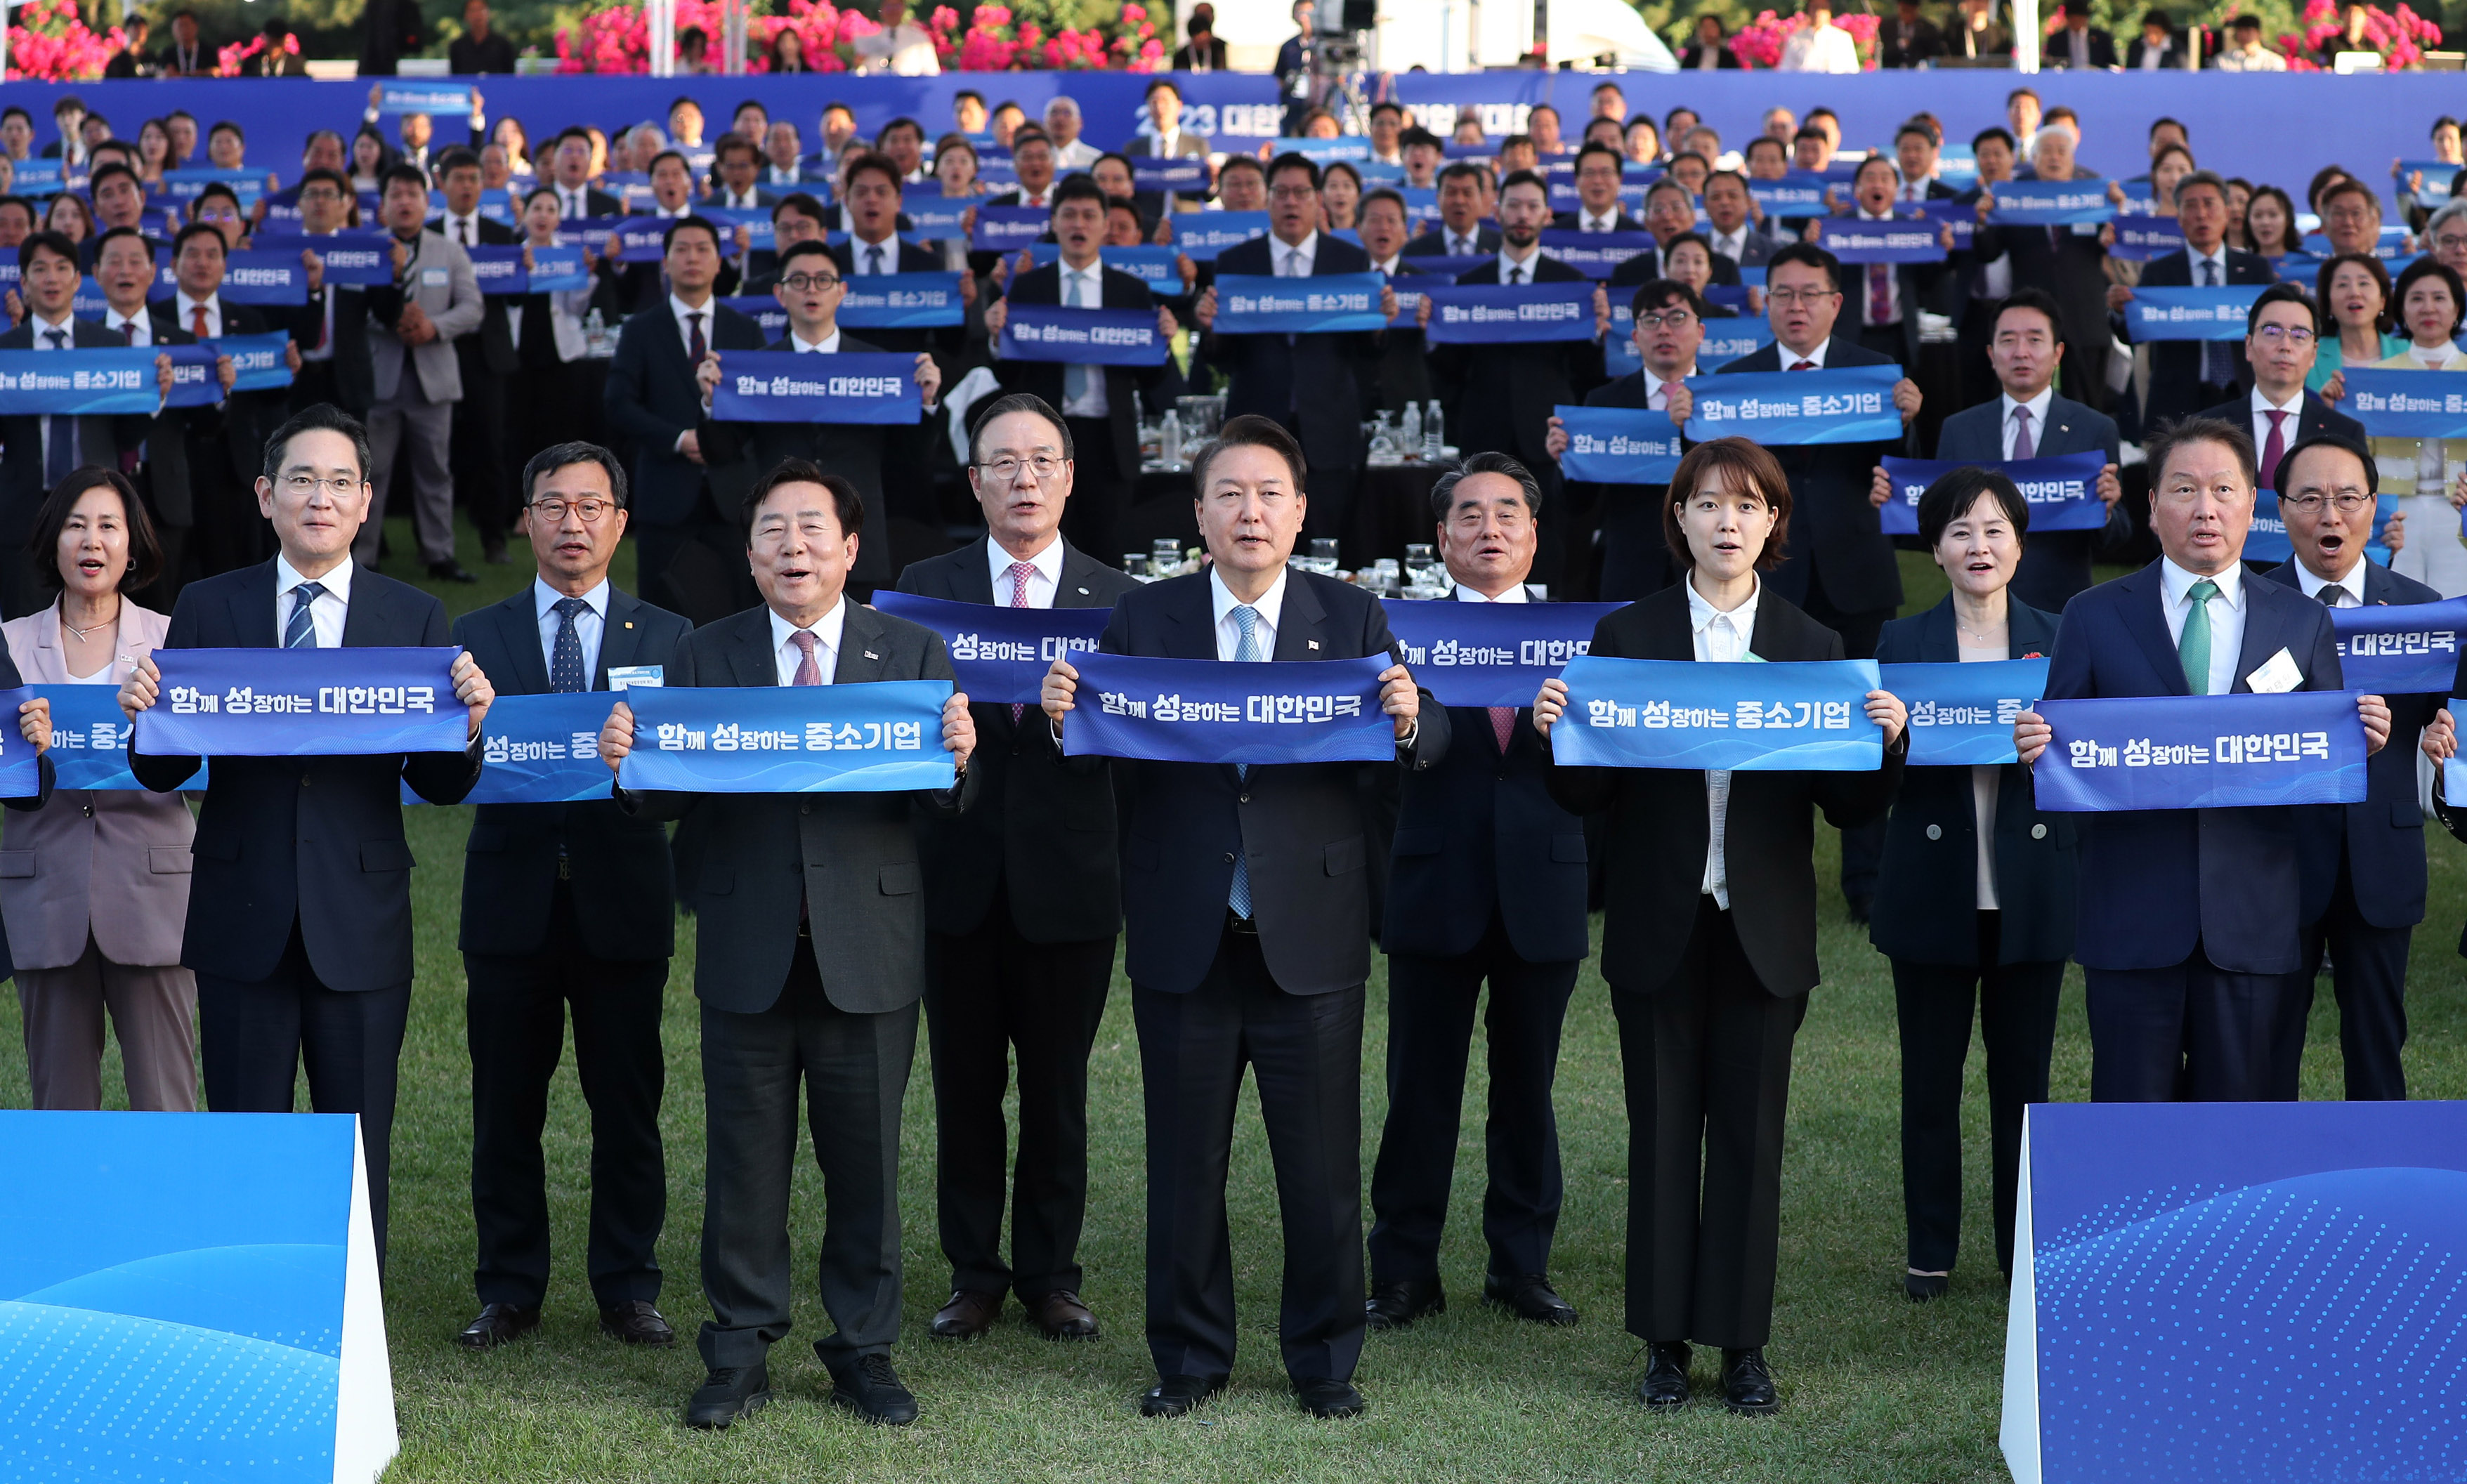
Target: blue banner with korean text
(930, 212)
(2400, 403)
(2388, 247)
(2140, 238)
(543, 750)
(2400, 649)
(20, 764)
(1202, 711)
(1855, 241)
(902, 300)
(1490, 653)
(351, 260)
(187, 184)
(1851, 405)
(1001, 654)
(782, 386)
(1474, 314)
(499, 270)
(304, 703)
(90, 383)
(1797, 193)
(1328, 303)
(1751, 717)
(555, 270)
(1447, 267)
(2062, 490)
(763, 310)
(408, 95)
(880, 736)
(1187, 174)
(1149, 264)
(1597, 255)
(1083, 337)
(2049, 203)
(1006, 228)
(264, 278)
(1618, 445)
(1203, 235)
(2302, 747)
(759, 234)
(90, 739)
(195, 382)
(1963, 714)
(641, 238)
(2433, 180)
(1963, 216)
(2190, 313)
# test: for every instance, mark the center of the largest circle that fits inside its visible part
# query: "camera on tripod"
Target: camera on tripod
(1335, 56)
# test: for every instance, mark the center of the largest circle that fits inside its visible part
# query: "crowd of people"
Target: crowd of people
(1246, 899)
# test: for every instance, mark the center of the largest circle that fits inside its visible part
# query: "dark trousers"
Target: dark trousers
(1708, 1068)
(517, 1006)
(1100, 492)
(1306, 1050)
(1430, 1032)
(476, 452)
(256, 1034)
(2369, 974)
(987, 993)
(694, 566)
(2189, 1032)
(854, 1069)
(1863, 846)
(2017, 1023)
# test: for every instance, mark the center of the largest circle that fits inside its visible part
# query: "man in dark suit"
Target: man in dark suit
(1487, 883)
(1312, 384)
(1600, 169)
(1728, 229)
(870, 455)
(2069, 262)
(299, 927)
(478, 48)
(223, 443)
(1031, 158)
(1205, 51)
(2156, 47)
(1097, 401)
(2185, 375)
(37, 451)
(2363, 863)
(1498, 397)
(151, 449)
(2029, 420)
(2078, 46)
(1459, 233)
(486, 357)
(872, 246)
(570, 168)
(1023, 901)
(1669, 329)
(1668, 212)
(1245, 899)
(1891, 296)
(2281, 339)
(570, 902)
(1904, 39)
(2186, 993)
(331, 330)
(1710, 51)
(809, 961)
(655, 399)
(1165, 138)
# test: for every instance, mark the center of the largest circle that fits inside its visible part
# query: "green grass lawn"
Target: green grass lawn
(1874, 1388)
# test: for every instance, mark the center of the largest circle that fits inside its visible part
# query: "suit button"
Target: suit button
(2038, 832)
(1246, 798)
(1936, 832)
(89, 811)
(304, 782)
(807, 807)
(1229, 857)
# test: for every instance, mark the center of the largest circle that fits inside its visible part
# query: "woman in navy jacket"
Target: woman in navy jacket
(1970, 834)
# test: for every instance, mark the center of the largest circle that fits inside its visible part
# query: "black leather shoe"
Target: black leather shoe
(1393, 1306)
(1922, 1287)
(1664, 1387)
(1062, 1315)
(728, 1393)
(970, 1313)
(497, 1325)
(870, 1387)
(451, 572)
(1529, 1297)
(1329, 1398)
(1179, 1396)
(1748, 1383)
(637, 1324)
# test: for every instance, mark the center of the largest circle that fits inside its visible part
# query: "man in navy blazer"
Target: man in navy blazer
(2191, 920)
(1669, 320)
(2281, 341)
(2364, 875)
(568, 902)
(1245, 895)
(1486, 882)
(2185, 375)
(300, 917)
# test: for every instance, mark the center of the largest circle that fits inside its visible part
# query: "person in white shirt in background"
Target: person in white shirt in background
(1820, 46)
(902, 48)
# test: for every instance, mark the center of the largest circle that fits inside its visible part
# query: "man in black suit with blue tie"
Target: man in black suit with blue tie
(1246, 899)
(2364, 873)
(2186, 376)
(299, 922)
(1486, 882)
(2189, 921)
(568, 902)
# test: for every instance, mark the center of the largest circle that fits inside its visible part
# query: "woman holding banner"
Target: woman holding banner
(94, 886)
(2421, 472)
(1970, 833)
(1710, 944)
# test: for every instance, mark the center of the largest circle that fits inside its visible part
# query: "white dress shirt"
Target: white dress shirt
(326, 615)
(1829, 49)
(905, 49)
(861, 255)
(1721, 639)
(1281, 255)
(1042, 583)
(2348, 592)
(460, 231)
(750, 201)
(1996, 275)
(1509, 264)
(138, 326)
(828, 344)
(1892, 281)
(187, 314)
(709, 309)
(2217, 271)
(2263, 407)
(1514, 595)
(1730, 244)
(589, 626)
(1089, 286)
(1271, 607)
(1076, 155)
(1390, 264)
(1465, 245)
(826, 630)
(2226, 613)
(1607, 221)
(1657, 391)
(2038, 406)
(1791, 358)
(574, 204)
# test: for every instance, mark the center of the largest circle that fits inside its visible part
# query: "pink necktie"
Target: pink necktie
(1019, 572)
(1880, 294)
(2024, 446)
(1668, 390)
(1503, 725)
(2273, 449)
(809, 673)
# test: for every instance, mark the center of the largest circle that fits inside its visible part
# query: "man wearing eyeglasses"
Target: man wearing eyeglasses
(564, 904)
(1669, 329)
(2185, 375)
(2282, 335)
(810, 285)
(2363, 863)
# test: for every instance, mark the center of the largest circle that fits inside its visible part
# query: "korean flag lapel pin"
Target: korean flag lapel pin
(1314, 644)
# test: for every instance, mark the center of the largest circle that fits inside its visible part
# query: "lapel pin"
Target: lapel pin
(1314, 644)
(871, 655)
(1083, 592)
(629, 623)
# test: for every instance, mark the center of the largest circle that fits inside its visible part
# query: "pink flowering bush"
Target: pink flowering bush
(613, 37)
(2400, 37)
(232, 61)
(52, 43)
(1761, 42)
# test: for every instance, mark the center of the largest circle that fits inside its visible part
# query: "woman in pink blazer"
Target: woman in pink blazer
(94, 887)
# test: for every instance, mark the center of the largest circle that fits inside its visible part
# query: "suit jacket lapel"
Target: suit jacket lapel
(1939, 640)
(2146, 616)
(1193, 636)
(252, 609)
(749, 653)
(2264, 630)
(861, 647)
(619, 640)
(974, 582)
(1300, 634)
(518, 627)
(363, 625)
(1077, 590)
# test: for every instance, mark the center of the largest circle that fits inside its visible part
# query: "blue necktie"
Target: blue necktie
(300, 632)
(565, 666)
(2218, 366)
(59, 430)
(1246, 652)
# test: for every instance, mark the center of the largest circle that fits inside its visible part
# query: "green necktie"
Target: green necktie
(2193, 648)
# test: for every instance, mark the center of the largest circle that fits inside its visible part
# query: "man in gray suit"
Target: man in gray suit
(809, 961)
(2029, 420)
(1164, 138)
(413, 325)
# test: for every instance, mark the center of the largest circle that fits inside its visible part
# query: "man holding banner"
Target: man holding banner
(153, 450)
(1669, 320)
(2191, 919)
(2189, 374)
(2282, 340)
(300, 928)
(38, 450)
(1246, 900)
(567, 900)
(810, 930)
(223, 442)
(1165, 138)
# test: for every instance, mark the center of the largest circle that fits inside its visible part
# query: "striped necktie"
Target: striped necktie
(300, 632)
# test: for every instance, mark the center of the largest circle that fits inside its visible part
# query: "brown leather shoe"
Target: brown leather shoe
(637, 1324)
(498, 1324)
(1062, 1316)
(969, 1314)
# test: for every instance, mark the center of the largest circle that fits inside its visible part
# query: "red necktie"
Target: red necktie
(697, 347)
(2273, 449)
(1802, 365)
(1503, 725)
(197, 322)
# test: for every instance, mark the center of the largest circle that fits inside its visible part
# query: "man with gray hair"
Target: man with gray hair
(1071, 152)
